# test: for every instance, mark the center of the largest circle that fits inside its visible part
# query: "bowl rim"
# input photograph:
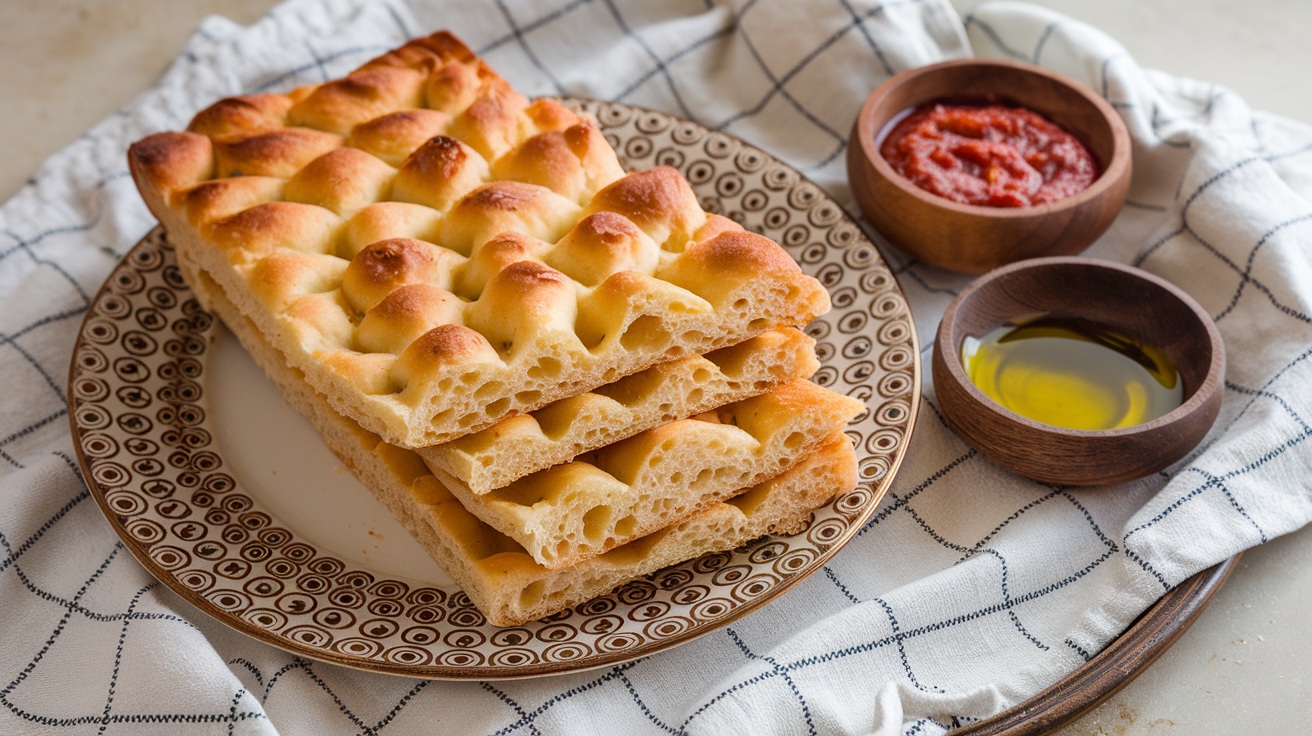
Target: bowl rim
(1212, 383)
(870, 135)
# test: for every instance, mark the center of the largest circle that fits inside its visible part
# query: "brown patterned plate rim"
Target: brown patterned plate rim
(856, 249)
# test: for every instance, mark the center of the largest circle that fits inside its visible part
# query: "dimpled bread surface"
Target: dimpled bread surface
(601, 500)
(497, 574)
(557, 433)
(434, 252)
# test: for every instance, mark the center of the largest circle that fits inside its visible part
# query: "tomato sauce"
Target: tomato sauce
(988, 154)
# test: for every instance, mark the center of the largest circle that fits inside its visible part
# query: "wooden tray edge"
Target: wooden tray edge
(1124, 659)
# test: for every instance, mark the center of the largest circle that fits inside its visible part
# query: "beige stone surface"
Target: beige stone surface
(71, 63)
(1243, 668)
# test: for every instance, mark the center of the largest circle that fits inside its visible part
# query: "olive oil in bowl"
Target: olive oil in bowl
(1072, 373)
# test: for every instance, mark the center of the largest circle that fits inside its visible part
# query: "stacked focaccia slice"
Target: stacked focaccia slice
(556, 374)
(497, 573)
(436, 253)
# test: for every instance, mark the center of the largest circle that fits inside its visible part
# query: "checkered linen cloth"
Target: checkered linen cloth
(971, 588)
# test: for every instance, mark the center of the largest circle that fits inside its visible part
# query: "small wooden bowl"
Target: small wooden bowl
(1127, 300)
(970, 238)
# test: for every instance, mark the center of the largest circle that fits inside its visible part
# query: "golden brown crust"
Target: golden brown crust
(574, 162)
(493, 257)
(217, 199)
(383, 220)
(361, 96)
(715, 225)
(395, 136)
(245, 114)
(275, 195)
(444, 345)
(659, 201)
(281, 152)
(344, 180)
(506, 206)
(404, 315)
(544, 300)
(428, 52)
(733, 262)
(455, 86)
(602, 244)
(390, 264)
(439, 172)
(287, 275)
(268, 228)
(491, 123)
(164, 163)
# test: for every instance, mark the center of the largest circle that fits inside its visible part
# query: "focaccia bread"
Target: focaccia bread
(511, 588)
(606, 498)
(497, 574)
(559, 432)
(435, 253)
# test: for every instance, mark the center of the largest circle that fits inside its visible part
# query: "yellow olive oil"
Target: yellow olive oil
(1072, 373)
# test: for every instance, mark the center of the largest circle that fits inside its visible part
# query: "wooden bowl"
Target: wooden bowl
(971, 238)
(1129, 301)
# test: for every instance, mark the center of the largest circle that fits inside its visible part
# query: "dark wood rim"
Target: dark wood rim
(1114, 667)
(951, 334)
(975, 238)
(1140, 305)
(871, 129)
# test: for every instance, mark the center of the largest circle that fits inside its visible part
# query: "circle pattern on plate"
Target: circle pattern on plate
(144, 440)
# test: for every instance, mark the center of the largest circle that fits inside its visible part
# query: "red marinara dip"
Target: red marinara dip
(988, 154)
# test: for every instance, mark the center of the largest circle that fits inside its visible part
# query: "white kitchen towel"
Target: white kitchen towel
(971, 588)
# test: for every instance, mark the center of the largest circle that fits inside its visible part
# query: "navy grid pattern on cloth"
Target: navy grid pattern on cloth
(968, 591)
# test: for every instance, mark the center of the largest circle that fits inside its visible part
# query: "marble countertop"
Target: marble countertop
(1244, 663)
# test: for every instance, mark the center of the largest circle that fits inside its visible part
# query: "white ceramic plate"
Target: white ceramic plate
(227, 495)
